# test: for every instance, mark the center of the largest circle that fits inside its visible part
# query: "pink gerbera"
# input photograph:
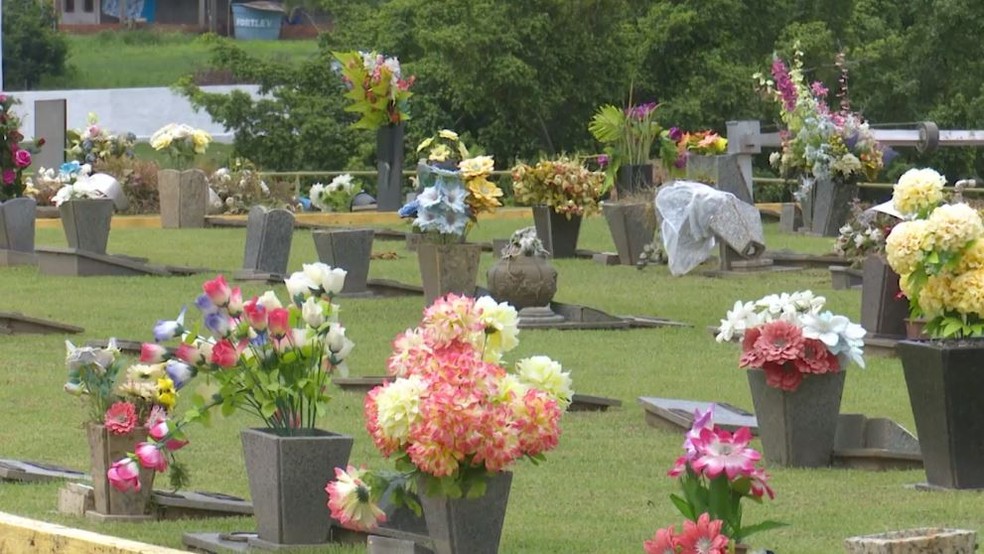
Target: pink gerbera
(120, 418)
(780, 341)
(703, 537)
(817, 358)
(663, 542)
(785, 376)
(721, 452)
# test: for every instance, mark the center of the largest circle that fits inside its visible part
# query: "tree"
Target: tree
(32, 47)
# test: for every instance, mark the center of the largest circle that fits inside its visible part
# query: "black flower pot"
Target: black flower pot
(557, 232)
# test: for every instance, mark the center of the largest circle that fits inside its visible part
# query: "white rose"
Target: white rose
(299, 284)
(336, 342)
(269, 300)
(312, 312)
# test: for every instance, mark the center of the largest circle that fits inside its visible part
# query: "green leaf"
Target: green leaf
(686, 510)
(476, 489)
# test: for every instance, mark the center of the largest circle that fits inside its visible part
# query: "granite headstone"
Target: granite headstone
(268, 238)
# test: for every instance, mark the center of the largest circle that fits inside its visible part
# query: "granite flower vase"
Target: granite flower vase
(17, 218)
(830, 205)
(558, 233)
(632, 225)
(184, 198)
(468, 525)
(105, 448)
(389, 163)
(944, 379)
(86, 223)
(798, 428)
(632, 179)
(287, 477)
(447, 268)
(721, 172)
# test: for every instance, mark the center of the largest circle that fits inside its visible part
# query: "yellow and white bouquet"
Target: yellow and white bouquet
(181, 142)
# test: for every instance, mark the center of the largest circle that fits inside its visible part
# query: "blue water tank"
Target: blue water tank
(253, 23)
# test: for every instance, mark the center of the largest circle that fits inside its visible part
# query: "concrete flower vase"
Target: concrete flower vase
(468, 525)
(557, 232)
(447, 268)
(86, 223)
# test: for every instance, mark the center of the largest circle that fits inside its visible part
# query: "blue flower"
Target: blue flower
(410, 209)
(168, 329)
(179, 372)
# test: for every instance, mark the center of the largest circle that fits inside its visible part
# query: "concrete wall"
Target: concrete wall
(136, 110)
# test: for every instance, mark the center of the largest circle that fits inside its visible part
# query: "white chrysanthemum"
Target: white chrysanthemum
(547, 375)
(918, 190)
(739, 319)
(398, 407)
(501, 327)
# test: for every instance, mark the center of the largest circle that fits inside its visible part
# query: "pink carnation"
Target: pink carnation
(120, 418)
(784, 376)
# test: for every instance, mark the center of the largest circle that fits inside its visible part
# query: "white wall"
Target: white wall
(140, 111)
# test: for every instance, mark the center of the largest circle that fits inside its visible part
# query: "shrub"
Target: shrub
(32, 47)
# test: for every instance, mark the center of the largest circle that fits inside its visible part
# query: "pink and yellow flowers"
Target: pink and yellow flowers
(350, 500)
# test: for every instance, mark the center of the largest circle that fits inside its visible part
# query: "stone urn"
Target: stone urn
(523, 281)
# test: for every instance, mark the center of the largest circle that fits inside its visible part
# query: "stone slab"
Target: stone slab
(183, 198)
(258, 277)
(876, 459)
(37, 472)
(376, 544)
(12, 323)
(881, 345)
(606, 258)
(842, 277)
(78, 499)
(10, 258)
(216, 543)
(79, 263)
(790, 218)
(75, 500)
(677, 414)
(931, 540)
(113, 518)
(788, 257)
(588, 403)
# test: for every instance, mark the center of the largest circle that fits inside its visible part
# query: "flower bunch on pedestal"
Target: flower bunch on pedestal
(789, 337)
(336, 196)
(376, 86)
(454, 416)
(717, 471)
(93, 143)
(181, 143)
(454, 188)
(864, 235)
(939, 255)
(268, 359)
(703, 143)
(563, 184)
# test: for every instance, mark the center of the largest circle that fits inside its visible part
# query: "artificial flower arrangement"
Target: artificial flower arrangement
(337, 195)
(717, 471)
(449, 376)
(789, 336)
(14, 158)
(702, 143)
(818, 142)
(238, 187)
(93, 143)
(939, 255)
(376, 87)
(563, 184)
(455, 189)
(122, 400)
(46, 182)
(181, 143)
(268, 360)
(76, 184)
(864, 235)
(631, 136)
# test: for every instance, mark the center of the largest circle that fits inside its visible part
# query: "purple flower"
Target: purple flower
(888, 154)
(410, 209)
(702, 420)
(168, 329)
(641, 111)
(818, 89)
(784, 84)
(204, 304)
(603, 161)
(179, 372)
(681, 161)
(218, 323)
(676, 134)
(851, 141)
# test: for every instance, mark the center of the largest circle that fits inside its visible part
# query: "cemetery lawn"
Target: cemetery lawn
(123, 59)
(603, 490)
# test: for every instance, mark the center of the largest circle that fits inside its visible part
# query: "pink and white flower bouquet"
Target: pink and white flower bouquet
(454, 415)
(260, 356)
(717, 471)
(789, 337)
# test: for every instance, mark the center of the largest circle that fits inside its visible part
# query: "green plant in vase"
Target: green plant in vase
(631, 137)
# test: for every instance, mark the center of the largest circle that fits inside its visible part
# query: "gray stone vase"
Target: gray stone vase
(468, 525)
(944, 379)
(184, 198)
(287, 477)
(557, 232)
(930, 540)
(17, 217)
(798, 428)
(721, 172)
(105, 448)
(447, 268)
(87, 223)
(523, 281)
(389, 160)
(633, 226)
(831, 206)
(348, 249)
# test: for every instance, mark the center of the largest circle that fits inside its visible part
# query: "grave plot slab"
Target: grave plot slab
(13, 323)
(812, 261)
(577, 317)
(9, 258)
(80, 263)
(675, 414)
(78, 499)
(732, 263)
(845, 277)
(589, 403)
(37, 472)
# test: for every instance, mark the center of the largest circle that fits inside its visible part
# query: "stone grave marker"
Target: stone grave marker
(874, 444)
(883, 312)
(15, 323)
(915, 541)
(184, 198)
(723, 172)
(268, 238)
(17, 217)
(50, 120)
(349, 249)
(675, 414)
(37, 472)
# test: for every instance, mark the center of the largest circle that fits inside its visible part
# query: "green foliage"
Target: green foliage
(32, 46)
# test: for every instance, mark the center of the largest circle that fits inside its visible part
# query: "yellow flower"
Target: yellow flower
(973, 257)
(166, 395)
(953, 226)
(905, 244)
(448, 134)
(160, 141)
(918, 190)
(510, 387)
(937, 296)
(968, 293)
(476, 167)
(542, 373)
(484, 195)
(201, 140)
(439, 153)
(398, 407)
(424, 144)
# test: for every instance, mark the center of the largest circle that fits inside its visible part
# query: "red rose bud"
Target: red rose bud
(224, 354)
(39, 142)
(188, 354)
(279, 321)
(235, 306)
(218, 291)
(256, 315)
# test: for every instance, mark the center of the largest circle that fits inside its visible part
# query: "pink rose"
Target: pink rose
(224, 354)
(22, 158)
(279, 321)
(152, 353)
(151, 457)
(160, 430)
(9, 176)
(218, 291)
(124, 476)
(189, 354)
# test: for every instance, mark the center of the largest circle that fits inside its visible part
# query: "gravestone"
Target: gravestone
(348, 249)
(722, 172)
(268, 237)
(50, 118)
(17, 232)
(883, 311)
(676, 414)
(790, 218)
(184, 198)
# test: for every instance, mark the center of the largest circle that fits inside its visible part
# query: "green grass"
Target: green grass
(122, 59)
(603, 490)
